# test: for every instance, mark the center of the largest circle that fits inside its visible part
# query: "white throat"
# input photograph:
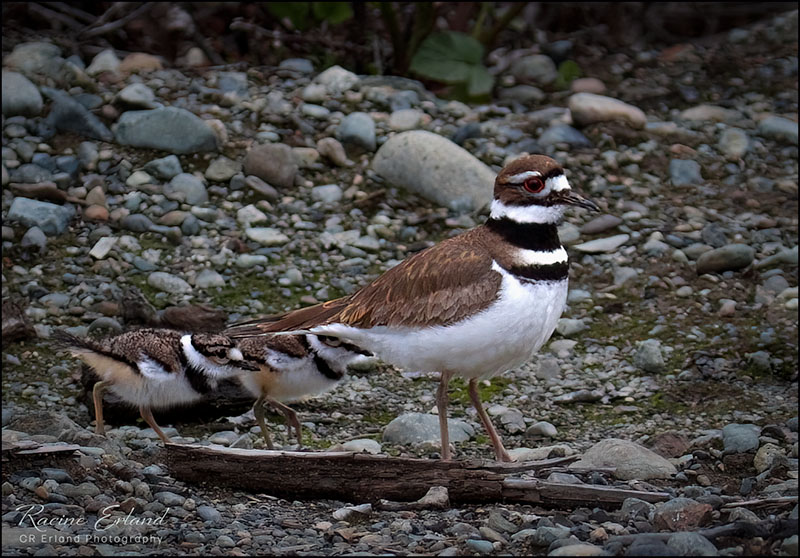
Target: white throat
(527, 213)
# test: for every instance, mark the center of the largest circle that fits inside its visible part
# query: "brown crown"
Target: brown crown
(512, 195)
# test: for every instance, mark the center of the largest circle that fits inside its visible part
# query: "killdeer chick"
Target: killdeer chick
(474, 305)
(293, 368)
(156, 368)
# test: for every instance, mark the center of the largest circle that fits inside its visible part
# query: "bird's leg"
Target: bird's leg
(147, 415)
(499, 451)
(97, 395)
(291, 419)
(441, 405)
(258, 411)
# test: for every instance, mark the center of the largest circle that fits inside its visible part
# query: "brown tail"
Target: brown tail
(70, 341)
(301, 319)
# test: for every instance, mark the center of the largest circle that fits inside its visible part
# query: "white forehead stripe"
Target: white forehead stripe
(522, 177)
(558, 183)
(527, 213)
(541, 257)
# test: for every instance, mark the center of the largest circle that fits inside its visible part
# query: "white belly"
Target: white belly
(500, 338)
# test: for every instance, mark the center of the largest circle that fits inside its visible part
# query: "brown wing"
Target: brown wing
(302, 318)
(438, 286)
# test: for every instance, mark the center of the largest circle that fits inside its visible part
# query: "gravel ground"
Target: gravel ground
(680, 335)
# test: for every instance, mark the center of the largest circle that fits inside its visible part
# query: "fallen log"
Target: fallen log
(358, 477)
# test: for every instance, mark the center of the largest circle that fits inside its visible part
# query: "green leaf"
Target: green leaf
(447, 56)
(296, 12)
(480, 81)
(568, 71)
(332, 12)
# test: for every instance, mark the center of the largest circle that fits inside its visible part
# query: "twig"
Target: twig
(488, 38)
(77, 13)
(53, 16)
(114, 25)
(763, 502)
(238, 24)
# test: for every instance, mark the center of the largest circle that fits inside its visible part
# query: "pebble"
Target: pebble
(734, 143)
(648, 357)
(740, 438)
(266, 236)
(601, 245)
(165, 168)
(358, 129)
(541, 429)
(681, 514)
(34, 237)
(209, 278)
(685, 172)
(731, 257)
(209, 514)
(563, 134)
(327, 193)
(631, 460)
(102, 247)
(601, 224)
(138, 95)
(779, 128)
(588, 108)
(272, 163)
(537, 69)
(171, 129)
(52, 219)
(20, 96)
(416, 428)
(187, 187)
(222, 169)
(168, 283)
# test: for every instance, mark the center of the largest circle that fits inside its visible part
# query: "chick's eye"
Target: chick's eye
(533, 185)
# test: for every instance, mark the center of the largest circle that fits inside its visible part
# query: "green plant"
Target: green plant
(568, 71)
(303, 15)
(454, 58)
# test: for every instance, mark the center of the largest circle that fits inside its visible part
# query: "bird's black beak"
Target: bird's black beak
(569, 197)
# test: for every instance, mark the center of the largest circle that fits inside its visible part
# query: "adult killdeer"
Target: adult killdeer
(474, 305)
(156, 368)
(293, 368)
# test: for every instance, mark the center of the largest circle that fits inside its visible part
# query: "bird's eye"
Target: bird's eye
(534, 185)
(330, 341)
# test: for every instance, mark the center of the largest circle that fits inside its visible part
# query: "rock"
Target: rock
(538, 69)
(45, 423)
(358, 129)
(670, 444)
(315, 111)
(600, 245)
(209, 514)
(68, 115)
(587, 85)
(337, 80)
(234, 84)
(170, 499)
(649, 547)
(331, 149)
(479, 546)
(540, 453)
(685, 172)
(681, 514)
(261, 188)
(52, 219)
(136, 222)
(168, 283)
(726, 258)
(188, 187)
(709, 113)
(601, 224)
(541, 429)
(416, 428)
(165, 168)
(20, 96)
(789, 545)
(266, 236)
(631, 460)
(578, 549)
(170, 129)
(691, 544)
(327, 193)
(208, 278)
(137, 95)
(273, 162)
(102, 247)
(561, 133)
(405, 119)
(301, 65)
(766, 456)
(105, 61)
(34, 237)
(140, 62)
(222, 169)
(305, 157)
(734, 143)
(436, 168)
(224, 438)
(353, 513)
(648, 357)
(588, 108)
(714, 235)
(36, 58)
(525, 94)
(779, 128)
(740, 438)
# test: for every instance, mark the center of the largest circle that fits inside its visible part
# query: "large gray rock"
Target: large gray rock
(727, 258)
(538, 69)
(20, 96)
(170, 129)
(273, 163)
(648, 356)
(588, 108)
(416, 428)
(189, 187)
(740, 438)
(51, 218)
(435, 168)
(36, 58)
(631, 460)
(68, 115)
(779, 128)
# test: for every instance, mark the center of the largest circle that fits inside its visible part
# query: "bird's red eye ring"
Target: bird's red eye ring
(533, 185)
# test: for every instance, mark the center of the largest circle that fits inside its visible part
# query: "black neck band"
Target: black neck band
(528, 236)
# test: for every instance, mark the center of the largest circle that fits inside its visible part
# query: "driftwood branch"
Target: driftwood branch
(93, 31)
(372, 478)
